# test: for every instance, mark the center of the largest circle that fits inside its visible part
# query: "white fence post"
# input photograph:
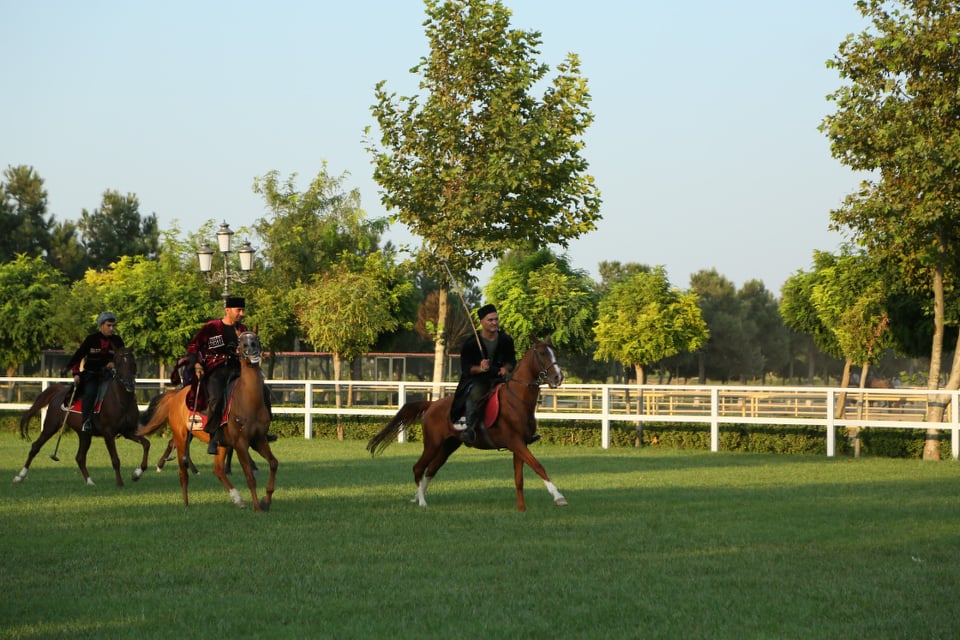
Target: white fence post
(307, 413)
(714, 419)
(831, 424)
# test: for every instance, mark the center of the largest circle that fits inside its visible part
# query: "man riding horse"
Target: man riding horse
(486, 358)
(96, 353)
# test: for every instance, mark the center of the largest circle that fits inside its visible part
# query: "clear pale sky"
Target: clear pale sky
(705, 144)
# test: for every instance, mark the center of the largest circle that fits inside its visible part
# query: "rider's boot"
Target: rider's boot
(213, 428)
(468, 435)
(213, 447)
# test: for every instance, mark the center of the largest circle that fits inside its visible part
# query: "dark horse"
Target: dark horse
(248, 419)
(511, 428)
(118, 417)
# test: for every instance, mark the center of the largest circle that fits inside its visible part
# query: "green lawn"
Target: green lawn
(655, 544)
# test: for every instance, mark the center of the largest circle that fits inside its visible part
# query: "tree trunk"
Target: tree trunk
(337, 365)
(935, 410)
(439, 343)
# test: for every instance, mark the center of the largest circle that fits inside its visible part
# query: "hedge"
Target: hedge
(809, 440)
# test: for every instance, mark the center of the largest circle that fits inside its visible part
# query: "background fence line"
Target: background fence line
(714, 405)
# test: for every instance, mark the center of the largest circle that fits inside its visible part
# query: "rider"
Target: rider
(214, 348)
(485, 359)
(96, 352)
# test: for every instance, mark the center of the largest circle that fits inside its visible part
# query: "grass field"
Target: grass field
(655, 544)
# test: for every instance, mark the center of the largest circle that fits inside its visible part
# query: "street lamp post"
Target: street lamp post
(205, 257)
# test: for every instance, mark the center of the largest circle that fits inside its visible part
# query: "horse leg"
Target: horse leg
(145, 443)
(180, 441)
(111, 443)
(263, 448)
(165, 456)
(85, 440)
(220, 471)
(522, 455)
(48, 429)
(426, 467)
(243, 456)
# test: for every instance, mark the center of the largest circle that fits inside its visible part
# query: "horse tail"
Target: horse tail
(408, 414)
(155, 415)
(45, 397)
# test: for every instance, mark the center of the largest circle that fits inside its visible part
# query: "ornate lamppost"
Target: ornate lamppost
(205, 257)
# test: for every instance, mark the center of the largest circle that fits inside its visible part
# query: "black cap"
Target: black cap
(234, 302)
(486, 310)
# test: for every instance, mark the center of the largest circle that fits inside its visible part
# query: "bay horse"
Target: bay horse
(248, 419)
(118, 416)
(512, 427)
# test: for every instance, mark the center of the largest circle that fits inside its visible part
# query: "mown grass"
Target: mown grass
(655, 544)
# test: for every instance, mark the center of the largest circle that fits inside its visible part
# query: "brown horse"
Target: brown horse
(117, 417)
(512, 428)
(248, 419)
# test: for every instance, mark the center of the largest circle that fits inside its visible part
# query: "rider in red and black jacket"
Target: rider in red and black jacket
(96, 352)
(215, 349)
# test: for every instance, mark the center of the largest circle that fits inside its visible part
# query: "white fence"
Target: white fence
(715, 406)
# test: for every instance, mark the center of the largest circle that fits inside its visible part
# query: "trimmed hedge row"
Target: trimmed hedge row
(880, 442)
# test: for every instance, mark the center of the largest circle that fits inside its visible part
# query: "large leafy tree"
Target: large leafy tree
(29, 289)
(724, 353)
(898, 117)
(24, 224)
(642, 320)
(117, 229)
(540, 294)
(480, 165)
(306, 234)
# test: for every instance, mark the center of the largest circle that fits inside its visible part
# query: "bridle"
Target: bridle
(543, 377)
(126, 374)
(250, 348)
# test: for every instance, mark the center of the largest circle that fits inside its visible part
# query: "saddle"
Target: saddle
(77, 406)
(196, 403)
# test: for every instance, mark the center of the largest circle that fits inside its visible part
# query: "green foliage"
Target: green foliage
(479, 165)
(310, 231)
(642, 319)
(24, 227)
(28, 289)
(117, 229)
(344, 312)
(539, 294)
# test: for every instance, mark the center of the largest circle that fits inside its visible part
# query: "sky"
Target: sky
(705, 144)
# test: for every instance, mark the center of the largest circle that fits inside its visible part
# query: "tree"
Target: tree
(898, 117)
(642, 320)
(345, 311)
(724, 353)
(28, 288)
(540, 294)
(762, 321)
(480, 165)
(306, 234)
(117, 229)
(24, 227)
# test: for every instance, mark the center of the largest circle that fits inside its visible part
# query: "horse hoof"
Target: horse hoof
(137, 474)
(561, 502)
(90, 482)
(17, 479)
(264, 505)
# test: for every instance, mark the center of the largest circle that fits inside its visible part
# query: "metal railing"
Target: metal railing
(714, 405)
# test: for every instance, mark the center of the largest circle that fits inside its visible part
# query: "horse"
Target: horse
(118, 416)
(248, 419)
(511, 427)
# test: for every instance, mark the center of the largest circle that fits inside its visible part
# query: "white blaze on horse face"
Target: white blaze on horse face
(556, 377)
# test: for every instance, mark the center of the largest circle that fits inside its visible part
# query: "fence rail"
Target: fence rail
(715, 406)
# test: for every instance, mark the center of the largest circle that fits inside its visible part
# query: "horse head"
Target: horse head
(549, 371)
(125, 368)
(249, 347)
